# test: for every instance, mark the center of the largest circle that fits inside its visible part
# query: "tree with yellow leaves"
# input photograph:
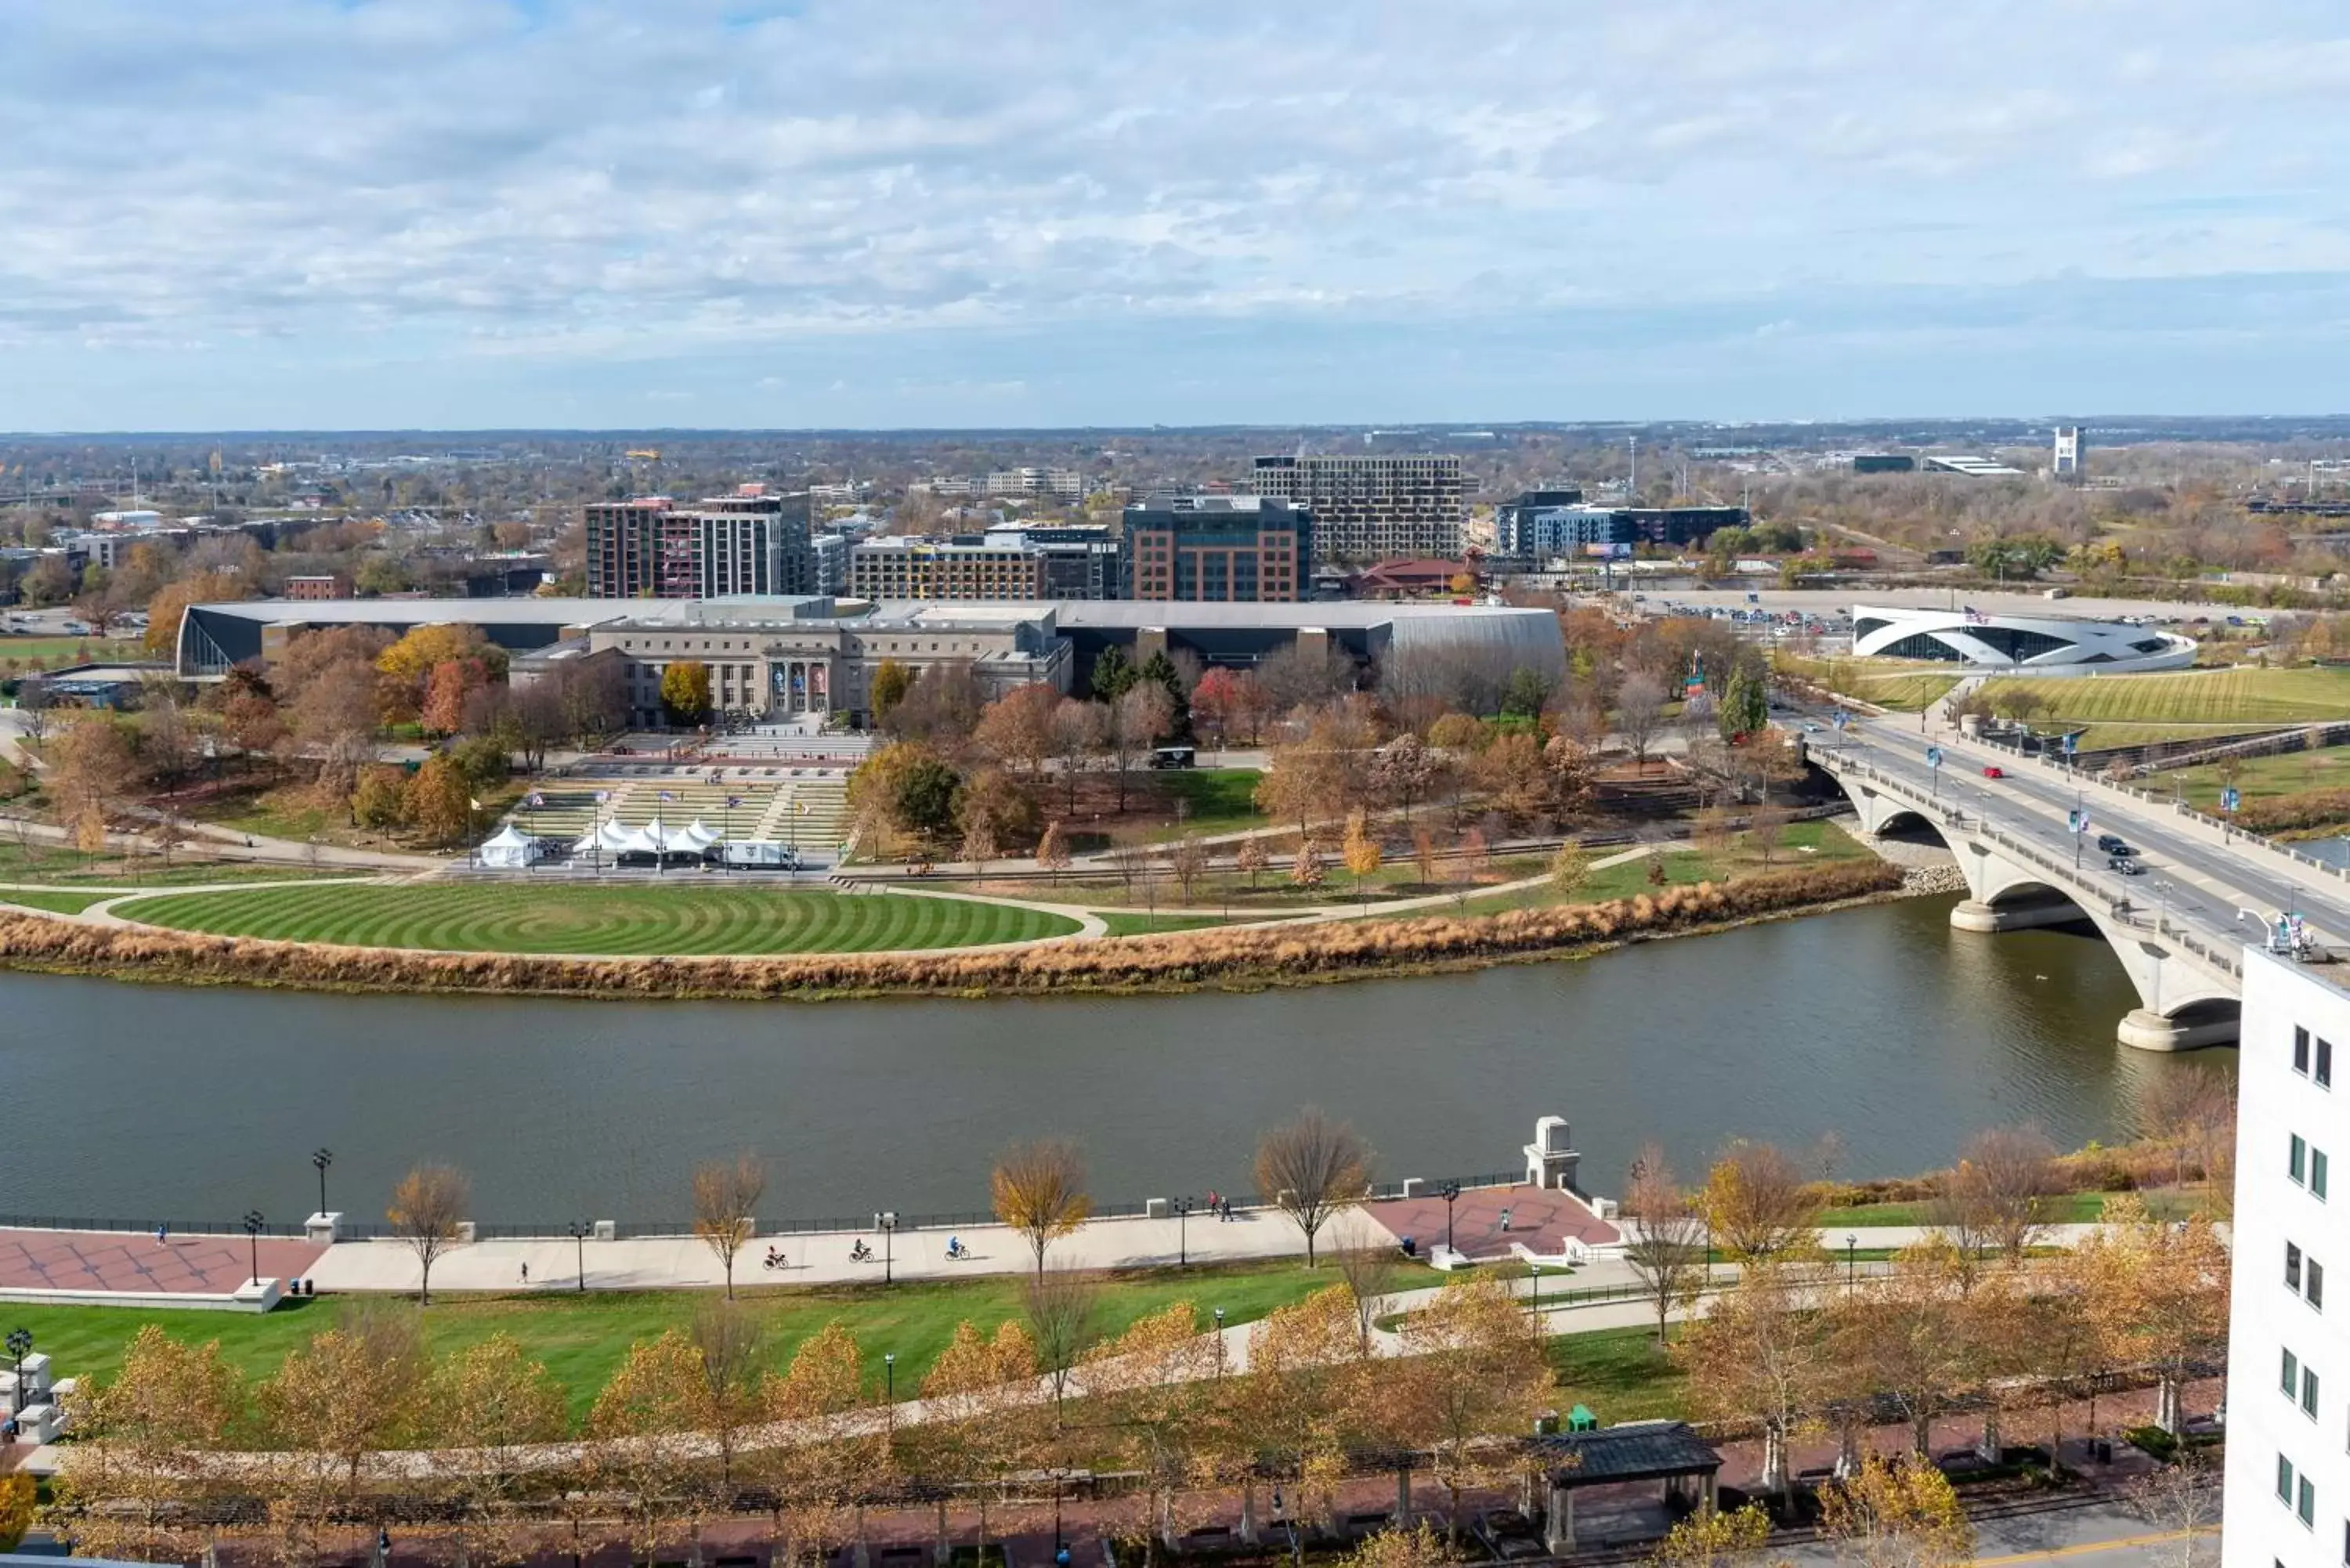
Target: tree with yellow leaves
(1301, 1403)
(1896, 1516)
(1361, 851)
(354, 1390)
(489, 1402)
(1715, 1539)
(1151, 1385)
(1760, 1355)
(1040, 1192)
(644, 1447)
(2170, 1312)
(1907, 1333)
(1758, 1204)
(1420, 1547)
(1473, 1371)
(831, 1464)
(147, 1449)
(983, 1406)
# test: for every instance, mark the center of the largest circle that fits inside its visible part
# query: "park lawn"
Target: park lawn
(1231, 893)
(1619, 1373)
(56, 864)
(53, 651)
(2241, 697)
(696, 917)
(1215, 800)
(1801, 843)
(1904, 685)
(2065, 1208)
(582, 1338)
(1135, 923)
(2265, 778)
(56, 903)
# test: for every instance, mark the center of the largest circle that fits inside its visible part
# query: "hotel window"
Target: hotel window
(2301, 1052)
(2289, 1374)
(2292, 1266)
(2308, 1509)
(2297, 1160)
(2309, 1393)
(2317, 1172)
(2326, 1063)
(2315, 1293)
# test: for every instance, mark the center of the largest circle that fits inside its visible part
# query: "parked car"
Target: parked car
(1994, 770)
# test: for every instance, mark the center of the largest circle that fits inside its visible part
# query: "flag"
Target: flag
(1976, 617)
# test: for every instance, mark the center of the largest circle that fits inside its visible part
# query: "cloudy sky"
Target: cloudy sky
(250, 214)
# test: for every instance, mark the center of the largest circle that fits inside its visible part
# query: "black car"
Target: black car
(2111, 843)
(2125, 866)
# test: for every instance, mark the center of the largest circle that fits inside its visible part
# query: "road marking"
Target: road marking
(2084, 1548)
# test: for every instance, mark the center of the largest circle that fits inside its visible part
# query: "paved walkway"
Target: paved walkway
(138, 1263)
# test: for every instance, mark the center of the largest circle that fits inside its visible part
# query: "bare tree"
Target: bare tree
(1040, 1192)
(1310, 1167)
(1667, 1247)
(1061, 1308)
(726, 1196)
(1639, 708)
(426, 1209)
(2182, 1502)
(2192, 1109)
(1757, 1202)
(1992, 1198)
(1189, 862)
(1368, 1267)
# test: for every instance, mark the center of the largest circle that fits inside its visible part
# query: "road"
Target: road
(2191, 878)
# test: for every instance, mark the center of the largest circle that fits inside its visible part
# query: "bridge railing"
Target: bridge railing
(2227, 830)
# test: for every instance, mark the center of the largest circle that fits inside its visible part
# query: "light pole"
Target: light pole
(322, 1158)
(253, 1224)
(1219, 1342)
(1851, 1260)
(888, 1226)
(889, 1382)
(1452, 1190)
(1182, 1242)
(578, 1229)
(20, 1345)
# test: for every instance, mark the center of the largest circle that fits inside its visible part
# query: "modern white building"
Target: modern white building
(2288, 1466)
(2064, 461)
(2036, 644)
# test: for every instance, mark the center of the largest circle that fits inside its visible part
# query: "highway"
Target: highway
(2191, 878)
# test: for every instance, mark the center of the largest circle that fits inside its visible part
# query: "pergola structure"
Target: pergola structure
(1629, 1453)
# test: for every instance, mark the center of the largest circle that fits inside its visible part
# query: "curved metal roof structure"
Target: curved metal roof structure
(2038, 645)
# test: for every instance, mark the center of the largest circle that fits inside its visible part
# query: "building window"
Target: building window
(2292, 1266)
(2326, 1063)
(2289, 1375)
(2297, 1160)
(2315, 1293)
(2285, 1479)
(2308, 1509)
(2317, 1172)
(2301, 1052)
(2309, 1393)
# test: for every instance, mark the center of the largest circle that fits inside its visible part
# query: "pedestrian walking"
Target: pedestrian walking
(162, 1234)
(1505, 1221)
(526, 1272)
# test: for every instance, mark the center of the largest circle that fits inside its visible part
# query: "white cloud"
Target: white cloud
(563, 183)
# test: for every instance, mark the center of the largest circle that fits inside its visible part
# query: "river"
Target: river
(1880, 1025)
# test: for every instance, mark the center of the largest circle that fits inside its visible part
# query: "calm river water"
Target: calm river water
(1880, 1025)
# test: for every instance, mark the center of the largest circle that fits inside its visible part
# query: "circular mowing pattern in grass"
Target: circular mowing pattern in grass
(633, 919)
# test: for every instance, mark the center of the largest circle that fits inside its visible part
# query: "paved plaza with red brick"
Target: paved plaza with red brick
(117, 1260)
(1541, 1219)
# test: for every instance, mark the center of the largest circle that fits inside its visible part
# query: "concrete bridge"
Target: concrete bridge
(2188, 979)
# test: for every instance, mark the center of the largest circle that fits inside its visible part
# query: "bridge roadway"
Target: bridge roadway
(2179, 929)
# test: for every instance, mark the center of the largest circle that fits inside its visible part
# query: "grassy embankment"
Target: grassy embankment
(582, 1337)
(1903, 685)
(22, 655)
(1799, 844)
(2132, 710)
(1285, 953)
(637, 917)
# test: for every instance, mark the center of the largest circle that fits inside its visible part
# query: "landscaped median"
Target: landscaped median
(1243, 956)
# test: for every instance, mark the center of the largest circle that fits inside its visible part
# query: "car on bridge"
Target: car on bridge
(1994, 770)
(2122, 866)
(2111, 843)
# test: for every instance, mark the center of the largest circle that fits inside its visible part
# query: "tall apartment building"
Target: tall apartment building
(970, 570)
(639, 548)
(2288, 1473)
(1219, 549)
(1373, 508)
(751, 542)
(1082, 560)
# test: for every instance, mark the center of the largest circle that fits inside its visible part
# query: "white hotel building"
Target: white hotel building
(2288, 1466)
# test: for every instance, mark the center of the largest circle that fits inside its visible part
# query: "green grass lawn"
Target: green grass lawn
(583, 1337)
(2223, 699)
(57, 903)
(2066, 1208)
(1216, 800)
(1799, 843)
(56, 864)
(1136, 923)
(691, 916)
(1619, 1373)
(53, 651)
(1906, 686)
(2264, 778)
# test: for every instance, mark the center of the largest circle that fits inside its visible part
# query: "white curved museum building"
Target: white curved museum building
(2043, 644)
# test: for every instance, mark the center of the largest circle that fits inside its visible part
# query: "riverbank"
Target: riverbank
(1245, 958)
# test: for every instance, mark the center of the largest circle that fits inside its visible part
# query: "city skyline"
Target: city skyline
(558, 215)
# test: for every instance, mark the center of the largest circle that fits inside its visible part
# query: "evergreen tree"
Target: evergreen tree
(1161, 670)
(1114, 675)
